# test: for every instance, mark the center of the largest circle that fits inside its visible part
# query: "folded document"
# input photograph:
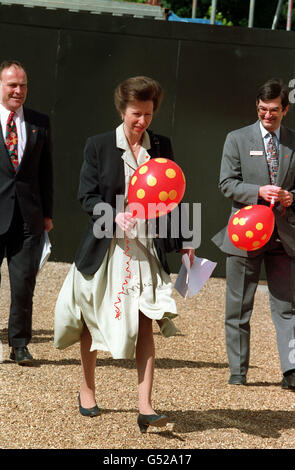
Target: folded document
(46, 250)
(191, 279)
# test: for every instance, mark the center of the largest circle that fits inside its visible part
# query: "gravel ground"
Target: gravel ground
(38, 404)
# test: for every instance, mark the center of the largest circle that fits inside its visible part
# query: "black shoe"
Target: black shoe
(144, 421)
(91, 412)
(237, 380)
(288, 382)
(21, 356)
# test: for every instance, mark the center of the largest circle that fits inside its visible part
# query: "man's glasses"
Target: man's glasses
(272, 111)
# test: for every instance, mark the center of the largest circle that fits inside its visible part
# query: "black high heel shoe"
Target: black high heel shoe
(91, 412)
(144, 421)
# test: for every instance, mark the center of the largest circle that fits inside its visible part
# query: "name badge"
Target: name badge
(256, 153)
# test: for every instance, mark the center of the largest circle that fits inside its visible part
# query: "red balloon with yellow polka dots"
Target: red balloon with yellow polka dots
(156, 188)
(251, 227)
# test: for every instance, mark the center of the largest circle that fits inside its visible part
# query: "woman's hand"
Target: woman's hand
(190, 252)
(125, 221)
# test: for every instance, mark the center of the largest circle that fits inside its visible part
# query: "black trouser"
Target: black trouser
(23, 252)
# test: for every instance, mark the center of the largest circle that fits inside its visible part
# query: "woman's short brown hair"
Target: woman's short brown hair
(138, 89)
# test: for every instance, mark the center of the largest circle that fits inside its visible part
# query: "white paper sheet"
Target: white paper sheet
(46, 250)
(191, 279)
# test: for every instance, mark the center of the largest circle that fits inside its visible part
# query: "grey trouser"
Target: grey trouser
(242, 275)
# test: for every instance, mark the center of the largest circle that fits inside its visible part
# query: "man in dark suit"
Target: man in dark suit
(258, 167)
(26, 200)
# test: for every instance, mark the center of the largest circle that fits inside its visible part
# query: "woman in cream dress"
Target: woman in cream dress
(91, 306)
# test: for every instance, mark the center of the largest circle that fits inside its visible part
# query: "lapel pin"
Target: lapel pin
(33, 130)
(286, 156)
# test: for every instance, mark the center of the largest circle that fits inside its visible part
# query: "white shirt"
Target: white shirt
(20, 127)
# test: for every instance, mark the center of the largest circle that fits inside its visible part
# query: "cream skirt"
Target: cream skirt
(110, 315)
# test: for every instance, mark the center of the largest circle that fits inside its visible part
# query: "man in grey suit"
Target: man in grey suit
(258, 167)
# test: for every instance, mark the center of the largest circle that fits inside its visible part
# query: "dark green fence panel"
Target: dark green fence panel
(210, 75)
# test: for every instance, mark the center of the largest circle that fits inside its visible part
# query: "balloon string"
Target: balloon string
(128, 276)
(272, 202)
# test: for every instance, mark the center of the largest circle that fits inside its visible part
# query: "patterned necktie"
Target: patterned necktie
(11, 140)
(272, 159)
